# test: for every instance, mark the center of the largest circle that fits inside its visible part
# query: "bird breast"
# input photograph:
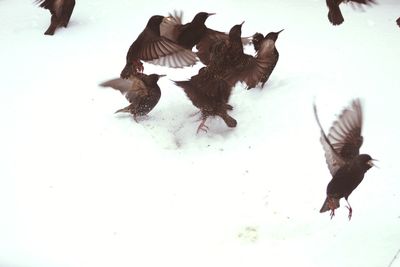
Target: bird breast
(267, 48)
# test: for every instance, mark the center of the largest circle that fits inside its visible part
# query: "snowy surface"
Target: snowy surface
(82, 187)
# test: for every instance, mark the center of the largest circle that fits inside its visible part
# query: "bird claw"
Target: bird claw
(332, 213)
(350, 212)
(202, 126)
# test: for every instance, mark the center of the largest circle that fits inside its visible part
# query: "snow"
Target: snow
(82, 186)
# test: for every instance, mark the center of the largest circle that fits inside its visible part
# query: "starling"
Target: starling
(268, 50)
(141, 90)
(208, 91)
(335, 15)
(242, 67)
(60, 10)
(194, 33)
(342, 152)
(398, 21)
(153, 48)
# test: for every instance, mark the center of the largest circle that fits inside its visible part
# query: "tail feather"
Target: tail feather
(330, 204)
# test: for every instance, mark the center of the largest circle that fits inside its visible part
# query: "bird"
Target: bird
(398, 21)
(194, 34)
(335, 15)
(61, 11)
(208, 91)
(269, 50)
(241, 67)
(342, 153)
(151, 47)
(141, 90)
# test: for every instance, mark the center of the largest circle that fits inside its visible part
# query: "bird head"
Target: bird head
(201, 17)
(366, 161)
(273, 35)
(153, 78)
(236, 31)
(256, 40)
(154, 22)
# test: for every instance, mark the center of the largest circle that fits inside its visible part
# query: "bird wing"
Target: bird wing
(171, 26)
(344, 139)
(47, 4)
(210, 38)
(131, 88)
(160, 50)
(248, 69)
(362, 2)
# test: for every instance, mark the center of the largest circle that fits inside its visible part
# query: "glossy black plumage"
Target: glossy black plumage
(335, 15)
(346, 165)
(141, 90)
(149, 46)
(266, 47)
(243, 67)
(195, 33)
(398, 21)
(208, 91)
(61, 11)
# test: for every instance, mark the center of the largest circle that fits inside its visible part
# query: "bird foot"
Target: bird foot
(332, 213)
(350, 212)
(202, 126)
(138, 66)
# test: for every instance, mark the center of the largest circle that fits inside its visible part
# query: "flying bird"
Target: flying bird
(241, 67)
(342, 152)
(335, 15)
(195, 34)
(266, 47)
(151, 47)
(208, 91)
(61, 11)
(141, 90)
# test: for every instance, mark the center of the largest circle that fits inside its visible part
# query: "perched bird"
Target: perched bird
(398, 21)
(194, 33)
(267, 43)
(242, 67)
(335, 15)
(153, 48)
(60, 10)
(141, 90)
(342, 152)
(208, 91)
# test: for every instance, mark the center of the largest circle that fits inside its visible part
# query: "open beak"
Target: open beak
(372, 164)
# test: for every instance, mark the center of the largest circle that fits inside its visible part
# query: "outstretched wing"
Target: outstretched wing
(344, 139)
(210, 38)
(131, 88)
(47, 4)
(171, 26)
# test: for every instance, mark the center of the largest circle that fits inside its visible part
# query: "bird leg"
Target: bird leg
(332, 213)
(350, 209)
(202, 126)
(331, 205)
(137, 66)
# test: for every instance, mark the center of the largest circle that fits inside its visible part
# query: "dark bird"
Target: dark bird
(141, 90)
(243, 67)
(342, 152)
(194, 33)
(335, 15)
(398, 21)
(267, 44)
(208, 91)
(61, 11)
(153, 48)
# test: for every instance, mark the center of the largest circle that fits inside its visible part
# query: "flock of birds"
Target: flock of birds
(167, 41)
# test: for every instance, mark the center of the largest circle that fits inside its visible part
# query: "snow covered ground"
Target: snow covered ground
(81, 186)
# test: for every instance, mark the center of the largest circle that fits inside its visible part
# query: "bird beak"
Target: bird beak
(372, 164)
(210, 14)
(161, 75)
(242, 23)
(280, 31)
